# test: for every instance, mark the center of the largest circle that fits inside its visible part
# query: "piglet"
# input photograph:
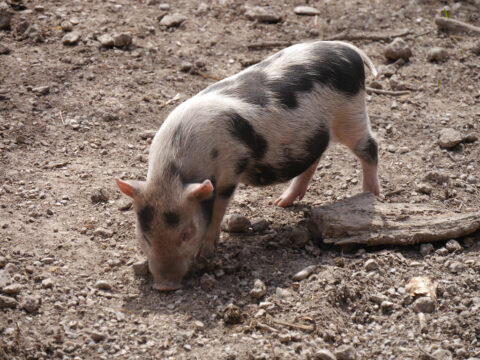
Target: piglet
(267, 124)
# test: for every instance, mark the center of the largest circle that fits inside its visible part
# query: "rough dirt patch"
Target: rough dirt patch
(75, 113)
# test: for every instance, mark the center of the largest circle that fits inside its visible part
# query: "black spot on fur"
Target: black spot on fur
(145, 217)
(172, 219)
(251, 88)
(207, 208)
(262, 174)
(368, 151)
(227, 191)
(241, 165)
(241, 129)
(214, 153)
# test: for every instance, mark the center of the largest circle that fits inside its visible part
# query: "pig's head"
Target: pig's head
(170, 226)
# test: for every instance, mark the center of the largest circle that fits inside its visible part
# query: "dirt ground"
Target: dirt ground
(73, 117)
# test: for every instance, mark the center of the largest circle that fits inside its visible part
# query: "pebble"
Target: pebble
(470, 138)
(391, 148)
(371, 264)
(424, 188)
(424, 304)
(47, 283)
(12, 289)
(124, 204)
(303, 274)
(5, 15)
(173, 20)
(30, 303)
(140, 268)
(283, 294)
(442, 354)
(449, 137)
(456, 267)
(262, 14)
(437, 177)
(106, 40)
(232, 314)
(300, 236)
(99, 196)
(471, 179)
(71, 38)
(41, 90)
(259, 289)
(7, 302)
(105, 233)
(3, 261)
(426, 249)
(97, 335)
(398, 49)
(4, 278)
(386, 306)
(4, 50)
(324, 354)
(186, 66)
(66, 26)
(306, 10)
(235, 223)
(122, 40)
(442, 251)
(103, 285)
(260, 225)
(346, 352)
(453, 246)
(437, 54)
(285, 338)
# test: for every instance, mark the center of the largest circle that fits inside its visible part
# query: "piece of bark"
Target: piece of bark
(363, 219)
(456, 25)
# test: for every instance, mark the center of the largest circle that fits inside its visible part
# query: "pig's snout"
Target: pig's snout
(166, 286)
(165, 278)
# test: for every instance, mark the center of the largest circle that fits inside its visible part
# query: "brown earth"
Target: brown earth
(72, 117)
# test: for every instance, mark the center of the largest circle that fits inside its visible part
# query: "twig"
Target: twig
(347, 35)
(394, 192)
(61, 117)
(268, 45)
(455, 25)
(169, 101)
(294, 326)
(207, 76)
(387, 92)
(431, 357)
(266, 327)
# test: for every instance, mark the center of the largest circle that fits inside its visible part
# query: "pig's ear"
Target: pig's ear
(200, 191)
(129, 188)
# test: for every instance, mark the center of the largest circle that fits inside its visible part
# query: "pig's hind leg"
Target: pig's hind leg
(298, 187)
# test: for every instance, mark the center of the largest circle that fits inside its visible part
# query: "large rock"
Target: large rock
(363, 219)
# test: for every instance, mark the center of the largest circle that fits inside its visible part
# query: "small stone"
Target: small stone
(398, 49)
(103, 285)
(262, 14)
(386, 306)
(456, 267)
(99, 196)
(106, 41)
(442, 354)
(7, 302)
(97, 336)
(124, 204)
(3, 261)
(437, 177)
(235, 223)
(303, 274)
(47, 283)
(66, 26)
(140, 268)
(449, 137)
(173, 20)
(199, 325)
(30, 304)
(346, 352)
(324, 354)
(471, 179)
(453, 246)
(232, 314)
(12, 289)
(71, 38)
(164, 7)
(437, 54)
(283, 294)
(476, 48)
(442, 251)
(207, 281)
(284, 338)
(105, 233)
(424, 188)
(186, 66)
(424, 304)
(306, 10)
(371, 264)
(391, 148)
(404, 149)
(259, 289)
(41, 90)
(122, 40)
(470, 138)
(426, 249)
(5, 15)
(4, 50)
(260, 225)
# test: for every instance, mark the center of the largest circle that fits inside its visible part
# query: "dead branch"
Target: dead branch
(266, 327)
(455, 25)
(207, 76)
(347, 35)
(294, 326)
(268, 45)
(386, 92)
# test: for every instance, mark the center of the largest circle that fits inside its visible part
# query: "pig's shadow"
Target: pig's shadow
(228, 277)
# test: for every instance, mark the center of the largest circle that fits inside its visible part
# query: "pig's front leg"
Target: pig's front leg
(298, 187)
(213, 231)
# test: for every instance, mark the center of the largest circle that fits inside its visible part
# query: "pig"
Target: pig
(268, 124)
